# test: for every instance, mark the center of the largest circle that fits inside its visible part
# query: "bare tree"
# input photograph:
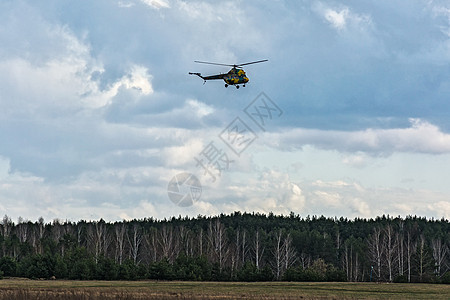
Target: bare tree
(189, 248)
(22, 230)
(106, 241)
(218, 243)
(289, 253)
(389, 246)
(305, 260)
(183, 241)
(40, 232)
(80, 228)
(96, 233)
(258, 249)
(338, 243)
(119, 234)
(439, 253)
(135, 238)
(347, 260)
(200, 242)
(152, 244)
(7, 225)
(235, 252)
(421, 256)
(57, 233)
(410, 250)
(399, 244)
(166, 242)
(399, 238)
(376, 250)
(277, 252)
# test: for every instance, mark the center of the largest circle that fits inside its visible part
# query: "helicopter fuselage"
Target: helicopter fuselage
(235, 76)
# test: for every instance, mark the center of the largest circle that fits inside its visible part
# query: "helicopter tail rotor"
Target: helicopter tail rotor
(199, 75)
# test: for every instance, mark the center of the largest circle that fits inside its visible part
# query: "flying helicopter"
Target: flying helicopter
(235, 76)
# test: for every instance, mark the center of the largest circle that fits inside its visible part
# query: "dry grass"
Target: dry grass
(19, 289)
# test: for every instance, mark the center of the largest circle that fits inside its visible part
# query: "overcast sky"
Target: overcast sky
(98, 112)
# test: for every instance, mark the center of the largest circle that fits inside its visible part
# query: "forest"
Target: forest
(235, 247)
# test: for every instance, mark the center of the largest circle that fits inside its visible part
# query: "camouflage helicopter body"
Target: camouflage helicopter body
(235, 76)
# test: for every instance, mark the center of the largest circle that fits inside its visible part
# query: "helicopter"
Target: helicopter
(235, 76)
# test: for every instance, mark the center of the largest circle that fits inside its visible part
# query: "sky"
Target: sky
(348, 117)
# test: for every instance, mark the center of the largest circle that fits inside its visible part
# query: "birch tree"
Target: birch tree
(135, 238)
(410, 250)
(289, 253)
(439, 254)
(389, 247)
(258, 249)
(376, 251)
(277, 252)
(218, 243)
(96, 233)
(119, 235)
(167, 242)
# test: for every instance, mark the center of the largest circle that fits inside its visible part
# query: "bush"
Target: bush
(446, 278)
(333, 274)
(8, 266)
(248, 272)
(161, 270)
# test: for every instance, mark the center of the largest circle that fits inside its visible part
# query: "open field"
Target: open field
(63, 289)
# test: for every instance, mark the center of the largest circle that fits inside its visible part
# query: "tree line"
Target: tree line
(239, 246)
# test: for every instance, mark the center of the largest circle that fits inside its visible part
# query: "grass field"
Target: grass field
(14, 289)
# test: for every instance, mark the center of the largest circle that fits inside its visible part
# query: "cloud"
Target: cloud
(351, 198)
(201, 109)
(339, 18)
(441, 209)
(271, 191)
(357, 160)
(157, 4)
(329, 199)
(361, 208)
(180, 156)
(98, 112)
(420, 137)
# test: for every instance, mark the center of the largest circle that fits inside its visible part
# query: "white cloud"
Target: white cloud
(420, 137)
(361, 208)
(97, 114)
(137, 79)
(337, 19)
(342, 17)
(441, 209)
(157, 4)
(272, 191)
(357, 160)
(222, 12)
(201, 109)
(124, 4)
(329, 199)
(179, 156)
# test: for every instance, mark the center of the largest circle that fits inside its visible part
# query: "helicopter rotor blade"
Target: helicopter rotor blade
(210, 63)
(253, 62)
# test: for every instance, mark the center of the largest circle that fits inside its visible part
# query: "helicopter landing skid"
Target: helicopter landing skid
(237, 86)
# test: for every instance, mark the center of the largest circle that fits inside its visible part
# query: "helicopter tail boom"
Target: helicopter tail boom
(212, 77)
(198, 74)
